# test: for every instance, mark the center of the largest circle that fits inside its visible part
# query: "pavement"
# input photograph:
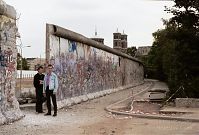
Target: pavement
(90, 118)
(188, 114)
(166, 113)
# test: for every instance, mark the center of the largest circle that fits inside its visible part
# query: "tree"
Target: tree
(131, 51)
(175, 51)
(18, 61)
(24, 63)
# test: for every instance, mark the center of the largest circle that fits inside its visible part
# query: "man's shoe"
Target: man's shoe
(54, 114)
(41, 112)
(47, 114)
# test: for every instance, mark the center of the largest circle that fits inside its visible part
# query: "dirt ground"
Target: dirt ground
(90, 118)
(25, 83)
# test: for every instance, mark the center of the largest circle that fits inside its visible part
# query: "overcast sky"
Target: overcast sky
(138, 18)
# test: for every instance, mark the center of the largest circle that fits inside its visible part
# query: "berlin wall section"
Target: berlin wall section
(9, 107)
(85, 66)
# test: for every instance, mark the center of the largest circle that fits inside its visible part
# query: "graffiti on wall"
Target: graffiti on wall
(83, 69)
(9, 106)
(7, 58)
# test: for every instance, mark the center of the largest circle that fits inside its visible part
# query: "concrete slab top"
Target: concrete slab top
(180, 109)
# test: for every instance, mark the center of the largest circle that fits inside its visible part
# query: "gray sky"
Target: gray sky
(138, 18)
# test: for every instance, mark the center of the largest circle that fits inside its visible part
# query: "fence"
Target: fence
(26, 74)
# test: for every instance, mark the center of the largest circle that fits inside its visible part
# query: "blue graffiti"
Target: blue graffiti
(72, 46)
(2, 59)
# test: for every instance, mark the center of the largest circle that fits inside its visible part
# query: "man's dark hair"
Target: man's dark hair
(40, 67)
(50, 65)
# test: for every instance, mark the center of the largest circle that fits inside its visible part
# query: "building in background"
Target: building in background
(143, 51)
(120, 42)
(98, 39)
(142, 54)
(34, 63)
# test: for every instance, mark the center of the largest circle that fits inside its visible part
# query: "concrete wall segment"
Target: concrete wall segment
(85, 67)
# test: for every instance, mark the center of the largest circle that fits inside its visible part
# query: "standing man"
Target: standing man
(50, 89)
(38, 84)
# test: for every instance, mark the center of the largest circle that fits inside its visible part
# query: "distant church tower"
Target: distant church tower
(98, 39)
(117, 40)
(120, 41)
(124, 42)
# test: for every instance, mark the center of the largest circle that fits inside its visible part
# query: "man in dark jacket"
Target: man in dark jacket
(38, 84)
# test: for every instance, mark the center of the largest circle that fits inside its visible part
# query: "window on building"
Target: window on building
(115, 43)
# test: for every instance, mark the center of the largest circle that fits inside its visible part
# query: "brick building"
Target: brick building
(33, 63)
(120, 42)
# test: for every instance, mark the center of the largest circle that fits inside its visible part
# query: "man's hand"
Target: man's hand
(44, 94)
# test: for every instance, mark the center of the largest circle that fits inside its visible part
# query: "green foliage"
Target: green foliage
(131, 51)
(18, 61)
(24, 63)
(175, 51)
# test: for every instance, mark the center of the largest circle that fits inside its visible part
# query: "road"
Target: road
(90, 118)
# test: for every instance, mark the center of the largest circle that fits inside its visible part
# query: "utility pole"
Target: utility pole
(21, 66)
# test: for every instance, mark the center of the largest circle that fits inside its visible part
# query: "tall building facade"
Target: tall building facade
(143, 51)
(120, 42)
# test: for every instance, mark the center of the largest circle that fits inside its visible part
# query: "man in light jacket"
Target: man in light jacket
(50, 89)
